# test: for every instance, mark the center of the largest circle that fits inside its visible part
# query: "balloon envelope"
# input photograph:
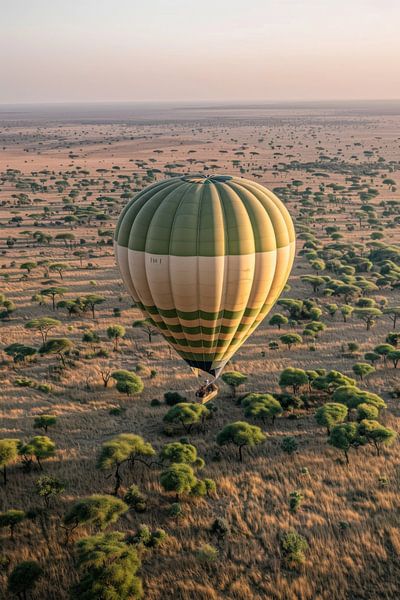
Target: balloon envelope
(205, 258)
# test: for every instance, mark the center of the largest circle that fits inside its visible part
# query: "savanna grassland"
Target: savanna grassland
(63, 183)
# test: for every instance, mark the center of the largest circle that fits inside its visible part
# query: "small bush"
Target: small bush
(175, 510)
(293, 545)
(172, 398)
(207, 554)
(117, 411)
(289, 444)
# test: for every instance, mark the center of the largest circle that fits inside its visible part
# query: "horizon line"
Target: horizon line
(196, 102)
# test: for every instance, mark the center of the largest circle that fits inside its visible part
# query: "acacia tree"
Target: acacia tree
(393, 313)
(92, 301)
(40, 447)
(367, 411)
(394, 357)
(261, 406)
(147, 326)
(57, 346)
(73, 307)
(241, 434)
(376, 434)
(294, 378)
(8, 454)
(107, 568)
(53, 292)
(59, 267)
(11, 518)
(368, 315)
(97, 510)
(181, 452)
(28, 266)
(352, 396)
(345, 436)
(278, 320)
(20, 352)
(44, 422)
(178, 478)
(362, 370)
(346, 311)
(331, 414)
(121, 449)
(234, 379)
(116, 333)
(23, 578)
(48, 487)
(187, 414)
(43, 325)
(290, 339)
(383, 350)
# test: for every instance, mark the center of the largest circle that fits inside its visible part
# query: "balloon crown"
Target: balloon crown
(206, 178)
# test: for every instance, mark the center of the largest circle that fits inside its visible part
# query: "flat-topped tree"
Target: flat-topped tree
(377, 434)
(187, 414)
(346, 311)
(367, 411)
(57, 346)
(352, 397)
(98, 511)
(234, 379)
(10, 519)
(8, 454)
(294, 378)
(91, 301)
(180, 452)
(345, 436)
(393, 313)
(362, 370)
(107, 569)
(23, 578)
(65, 237)
(59, 268)
(384, 350)
(116, 333)
(277, 320)
(40, 447)
(261, 406)
(20, 352)
(328, 382)
(73, 307)
(178, 478)
(394, 357)
(290, 339)
(315, 281)
(54, 291)
(369, 315)
(121, 449)
(147, 326)
(331, 414)
(28, 266)
(43, 325)
(44, 422)
(241, 434)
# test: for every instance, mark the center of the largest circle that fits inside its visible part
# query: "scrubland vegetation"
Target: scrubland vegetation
(286, 485)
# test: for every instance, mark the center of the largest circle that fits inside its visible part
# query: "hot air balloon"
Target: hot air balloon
(205, 258)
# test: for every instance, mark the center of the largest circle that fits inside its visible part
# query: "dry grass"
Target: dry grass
(358, 562)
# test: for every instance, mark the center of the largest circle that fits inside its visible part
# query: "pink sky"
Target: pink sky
(125, 50)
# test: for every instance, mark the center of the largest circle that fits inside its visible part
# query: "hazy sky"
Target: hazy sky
(127, 50)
